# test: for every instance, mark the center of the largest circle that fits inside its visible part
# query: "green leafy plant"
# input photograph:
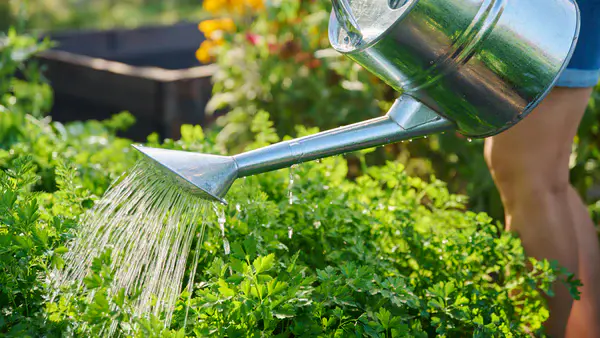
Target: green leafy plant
(388, 255)
(33, 227)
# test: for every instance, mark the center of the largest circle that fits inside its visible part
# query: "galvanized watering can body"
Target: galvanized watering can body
(484, 64)
(476, 66)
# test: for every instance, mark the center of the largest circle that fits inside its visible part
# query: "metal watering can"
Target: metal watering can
(475, 66)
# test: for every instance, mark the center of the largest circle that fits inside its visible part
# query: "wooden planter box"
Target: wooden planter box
(151, 72)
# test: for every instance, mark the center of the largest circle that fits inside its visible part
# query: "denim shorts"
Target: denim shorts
(584, 69)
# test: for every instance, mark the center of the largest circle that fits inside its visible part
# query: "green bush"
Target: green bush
(385, 255)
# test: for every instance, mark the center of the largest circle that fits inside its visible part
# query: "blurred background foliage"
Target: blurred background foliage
(56, 15)
(274, 56)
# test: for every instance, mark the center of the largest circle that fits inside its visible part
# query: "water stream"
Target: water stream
(221, 220)
(291, 196)
(150, 226)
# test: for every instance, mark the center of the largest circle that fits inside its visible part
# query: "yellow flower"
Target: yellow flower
(203, 53)
(238, 7)
(208, 27)
(214, 6)
(227, 25)
(214, 29)
(256, 4)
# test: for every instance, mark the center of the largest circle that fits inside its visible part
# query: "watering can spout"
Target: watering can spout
(210, 176)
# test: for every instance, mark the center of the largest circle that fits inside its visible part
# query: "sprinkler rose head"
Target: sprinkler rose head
(208, 176)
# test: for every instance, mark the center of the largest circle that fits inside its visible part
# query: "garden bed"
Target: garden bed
(150, 72)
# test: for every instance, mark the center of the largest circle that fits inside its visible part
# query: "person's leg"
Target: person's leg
(587, 310)
(530, 166)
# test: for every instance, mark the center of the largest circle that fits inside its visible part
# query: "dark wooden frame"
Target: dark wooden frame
(95, 74)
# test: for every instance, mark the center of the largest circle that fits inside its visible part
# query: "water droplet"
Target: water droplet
(226, 246)
(221, 220)
(291, 185)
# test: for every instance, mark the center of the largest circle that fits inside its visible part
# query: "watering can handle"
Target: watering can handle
(407, 119)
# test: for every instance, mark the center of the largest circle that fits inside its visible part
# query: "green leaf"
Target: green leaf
(274, 287)
(225, 290)
(384, 318)
(61, 250)
(263, 264)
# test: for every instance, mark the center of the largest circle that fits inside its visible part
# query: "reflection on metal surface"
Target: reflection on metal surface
(407, 119)
(395, 4)
(343, 13)
(481, 63)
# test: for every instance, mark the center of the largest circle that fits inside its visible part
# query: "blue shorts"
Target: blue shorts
(584, 69)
